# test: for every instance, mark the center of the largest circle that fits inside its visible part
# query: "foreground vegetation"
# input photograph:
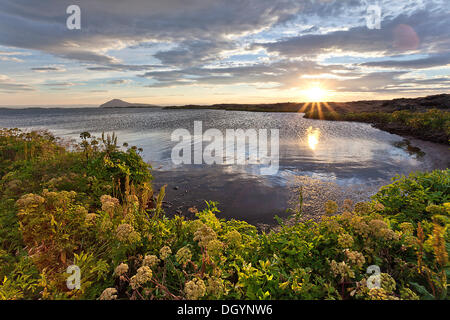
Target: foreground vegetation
(432, 125)
(92, 205)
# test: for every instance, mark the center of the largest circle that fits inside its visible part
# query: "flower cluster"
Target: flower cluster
(165, 252)
(380, 229)
(30, 200)
(341, 269)
(332, 225)
(234, 238)
(204, 235)
(90, 218)
(121, 269)
(215, 287)
(150, 261)
(214, 247)
(195, 289)
(109, 294)
(345, 240)
(109, 204)
(126, 233)
(183, 255)
(356, 258)
(143, 275)
(360, 226)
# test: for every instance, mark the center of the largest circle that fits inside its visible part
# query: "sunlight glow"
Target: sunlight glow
(315, 94)
(313, 137)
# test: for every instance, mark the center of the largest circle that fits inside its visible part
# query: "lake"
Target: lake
(329, 160)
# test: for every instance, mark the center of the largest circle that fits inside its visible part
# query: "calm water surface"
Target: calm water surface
(330, 160)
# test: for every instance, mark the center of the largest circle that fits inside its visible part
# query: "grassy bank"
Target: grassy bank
(432, 125)
(94, 207)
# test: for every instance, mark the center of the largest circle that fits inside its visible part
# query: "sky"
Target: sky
(176, 52)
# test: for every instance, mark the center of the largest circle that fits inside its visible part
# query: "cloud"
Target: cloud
(13, 59)
(9, 56)
(432, 29)
(436, 60)
(48, 69)
(119, 81)
(212, 43)
(8, 85)
(284, 74)
(43, 27)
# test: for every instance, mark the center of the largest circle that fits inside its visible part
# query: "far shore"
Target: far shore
(380, 113)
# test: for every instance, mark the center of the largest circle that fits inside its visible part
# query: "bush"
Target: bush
(56, 214)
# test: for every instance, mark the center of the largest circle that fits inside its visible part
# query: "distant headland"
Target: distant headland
(440, 101)
(117, 103)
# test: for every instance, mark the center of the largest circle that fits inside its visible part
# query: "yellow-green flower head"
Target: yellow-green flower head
(214, 247)
(165, 252)
(106, 224)
(342, 270)
(332, 225)
(204, 235)
(234, 238)
(121, 269)
(143, 275)
(109, 204)
(215, 287)
(194, 225)
(90, 218)
(345, 240)
(380, 229)
(126, 233)
(123, 231)
(109, 294)
(30, 200)
(360, 227)
(150, 261)
(195, 289)
(356, 258)
(183, 255)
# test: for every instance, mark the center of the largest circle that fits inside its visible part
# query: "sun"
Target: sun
(315, 94)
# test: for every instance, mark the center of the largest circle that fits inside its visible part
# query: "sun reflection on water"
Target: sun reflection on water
(313, 137)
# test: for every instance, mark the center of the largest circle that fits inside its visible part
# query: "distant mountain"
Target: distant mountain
(117, 103)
